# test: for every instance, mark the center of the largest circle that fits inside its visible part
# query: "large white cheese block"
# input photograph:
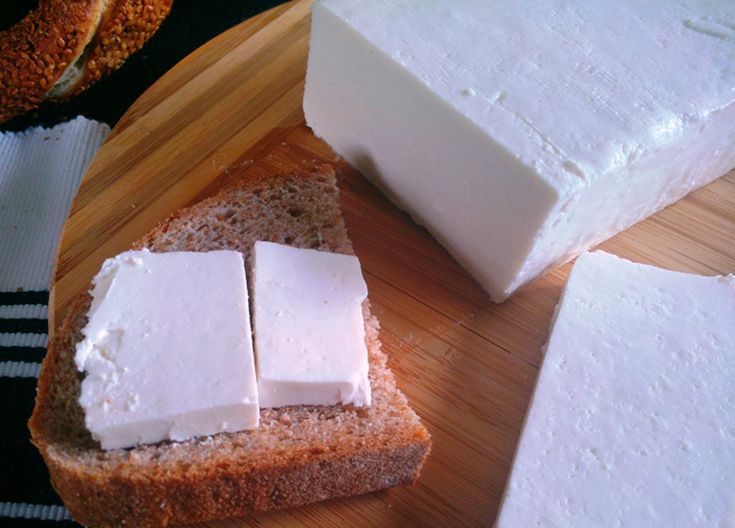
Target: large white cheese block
(168, 350)
(309, 328)
(521, 135)
(632, 421)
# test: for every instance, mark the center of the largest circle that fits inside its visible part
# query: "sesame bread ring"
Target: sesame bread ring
(63, 46)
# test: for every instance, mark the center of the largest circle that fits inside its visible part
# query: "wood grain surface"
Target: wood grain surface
(233, 110)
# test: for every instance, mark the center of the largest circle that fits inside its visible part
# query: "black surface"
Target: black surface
(24, 326)
(33, 523)
(22, 353)
(24, 297)
(190, 24)
(11, 11)
(23, 476)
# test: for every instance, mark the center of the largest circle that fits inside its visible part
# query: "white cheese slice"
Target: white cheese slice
(309, 328)
(520, 136)
(632, 421)
(168, 349)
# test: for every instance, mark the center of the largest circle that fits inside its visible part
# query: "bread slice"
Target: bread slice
(298, 455)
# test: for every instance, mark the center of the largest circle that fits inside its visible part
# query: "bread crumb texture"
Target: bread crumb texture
(298, 455)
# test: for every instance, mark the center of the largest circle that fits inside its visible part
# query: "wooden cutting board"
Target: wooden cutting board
(232, 110)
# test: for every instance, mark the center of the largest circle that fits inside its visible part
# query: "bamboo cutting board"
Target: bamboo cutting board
(232, 110)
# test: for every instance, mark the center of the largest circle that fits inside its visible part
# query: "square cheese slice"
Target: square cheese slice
(522, 135)
(309, 327)
(168, 350)
(632, 422)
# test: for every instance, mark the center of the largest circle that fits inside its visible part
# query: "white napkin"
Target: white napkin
(40, 171)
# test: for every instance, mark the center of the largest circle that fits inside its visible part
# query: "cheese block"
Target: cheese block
(309, 327)
(632, 421)
(520, 136)
(167, 350)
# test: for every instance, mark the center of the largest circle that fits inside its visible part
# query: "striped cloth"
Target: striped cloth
(40, 171)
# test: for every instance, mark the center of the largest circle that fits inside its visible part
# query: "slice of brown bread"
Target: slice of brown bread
(298, 454)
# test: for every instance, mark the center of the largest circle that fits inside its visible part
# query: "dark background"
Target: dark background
(190, 24)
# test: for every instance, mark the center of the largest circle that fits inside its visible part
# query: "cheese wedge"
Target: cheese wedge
(521, 136)
(632, 421)
(167, 350)
(309, 327)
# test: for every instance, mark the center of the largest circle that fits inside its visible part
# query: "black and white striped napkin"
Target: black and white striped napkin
(40, 170)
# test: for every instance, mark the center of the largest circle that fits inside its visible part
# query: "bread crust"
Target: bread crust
(233, 490)
(35, 53)
(298, 455)
(126, 26)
